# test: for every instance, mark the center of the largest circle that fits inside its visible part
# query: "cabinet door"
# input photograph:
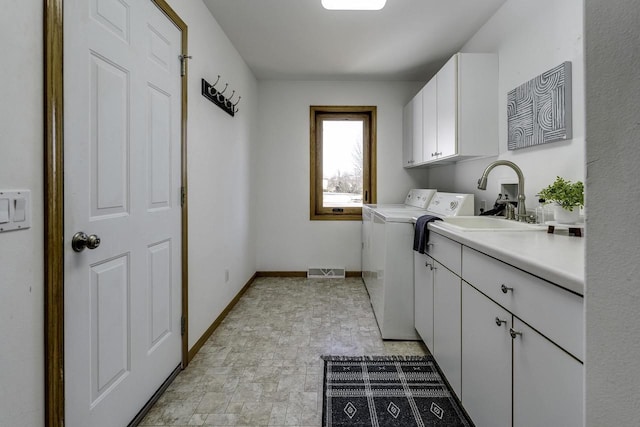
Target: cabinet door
(407, 135)
(417, 128)
(547, 382)
(429, 121)
(447, 96)
(486, 359)
(423, 297)
(446, 324)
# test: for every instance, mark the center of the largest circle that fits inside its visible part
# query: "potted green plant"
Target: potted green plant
(567, 197)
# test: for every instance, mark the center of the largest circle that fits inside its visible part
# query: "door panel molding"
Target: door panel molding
(54, 404)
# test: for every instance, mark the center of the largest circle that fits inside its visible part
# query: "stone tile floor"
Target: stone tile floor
(262, 366)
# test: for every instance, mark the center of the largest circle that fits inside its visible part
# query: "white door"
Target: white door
(486, 360)
(430, 120)
(447, 102)
(423, 297)
(418, 136)
(447, 327)
(407, 134)
(547, 382)
(122, 101)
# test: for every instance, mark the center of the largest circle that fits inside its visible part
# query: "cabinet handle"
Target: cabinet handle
(500, 322)
(505, 289)
(513, 333)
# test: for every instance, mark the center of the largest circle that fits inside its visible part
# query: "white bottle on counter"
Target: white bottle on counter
(541, 212)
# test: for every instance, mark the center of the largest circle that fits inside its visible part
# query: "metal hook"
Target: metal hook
(231, 97)
(225, 88)
(216, 81)
(212, 91)
(239, 98)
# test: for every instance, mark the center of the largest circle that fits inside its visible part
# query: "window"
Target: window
(343, 158)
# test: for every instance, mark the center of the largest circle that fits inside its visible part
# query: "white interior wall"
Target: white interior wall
(613, 186)
(286, 240)
(21, 252)
(219, 152)
(529, 38)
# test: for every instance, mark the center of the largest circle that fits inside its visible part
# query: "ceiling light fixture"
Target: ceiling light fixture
(353, 4)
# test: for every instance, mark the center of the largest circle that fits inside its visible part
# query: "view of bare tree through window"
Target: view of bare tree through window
(342, 162)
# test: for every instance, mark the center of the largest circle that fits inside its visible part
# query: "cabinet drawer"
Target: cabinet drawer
(445, 251)
(555, 312)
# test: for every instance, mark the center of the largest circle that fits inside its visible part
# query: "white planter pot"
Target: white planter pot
(564, 216)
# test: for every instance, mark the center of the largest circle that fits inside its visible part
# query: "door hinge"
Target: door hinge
(183, 64)
(183, 196)
(183, 325)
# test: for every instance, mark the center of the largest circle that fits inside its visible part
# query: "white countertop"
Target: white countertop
(558, 258)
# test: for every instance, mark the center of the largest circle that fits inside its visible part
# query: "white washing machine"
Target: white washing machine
(387, 233)
(387, 255)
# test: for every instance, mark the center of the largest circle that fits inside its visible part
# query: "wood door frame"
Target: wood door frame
(54, 405)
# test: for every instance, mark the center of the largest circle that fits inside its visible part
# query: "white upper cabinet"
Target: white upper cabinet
(459, 112)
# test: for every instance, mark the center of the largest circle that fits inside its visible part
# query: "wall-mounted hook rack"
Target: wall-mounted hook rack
(217, 97)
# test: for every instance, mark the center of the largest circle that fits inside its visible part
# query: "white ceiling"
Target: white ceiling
(299, 40)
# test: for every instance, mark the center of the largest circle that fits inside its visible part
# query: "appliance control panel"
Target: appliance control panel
(451, 204)
(419, 197)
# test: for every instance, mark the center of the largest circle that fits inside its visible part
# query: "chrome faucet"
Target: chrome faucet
(482, 185)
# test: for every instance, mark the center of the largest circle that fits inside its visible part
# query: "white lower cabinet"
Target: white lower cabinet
(547, 382)
(486, 360)
(471, 311)
(447, 324)
(508, 366)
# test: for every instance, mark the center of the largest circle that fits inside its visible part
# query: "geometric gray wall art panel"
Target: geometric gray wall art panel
(539, 111)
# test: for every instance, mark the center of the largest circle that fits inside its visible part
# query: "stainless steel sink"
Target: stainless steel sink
(486, 223)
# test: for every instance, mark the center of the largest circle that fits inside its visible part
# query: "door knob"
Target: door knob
(81, 240)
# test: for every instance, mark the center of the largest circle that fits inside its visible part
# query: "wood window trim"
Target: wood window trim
(369, 161)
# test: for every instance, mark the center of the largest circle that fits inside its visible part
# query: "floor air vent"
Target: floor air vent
(326, 273)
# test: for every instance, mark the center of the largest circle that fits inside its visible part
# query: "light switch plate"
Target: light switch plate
(19, 210)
